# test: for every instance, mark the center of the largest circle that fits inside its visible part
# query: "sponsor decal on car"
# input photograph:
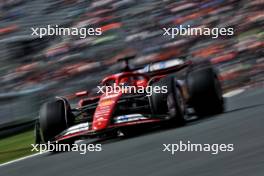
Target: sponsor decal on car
(77, 128)
(129, 118)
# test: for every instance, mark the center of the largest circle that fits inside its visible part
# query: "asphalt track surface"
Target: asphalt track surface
(241, 125)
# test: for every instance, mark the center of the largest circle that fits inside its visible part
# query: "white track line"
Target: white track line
(233, 93)
(20, 159)
(30, 156)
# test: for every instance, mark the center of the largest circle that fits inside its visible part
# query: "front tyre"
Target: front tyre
(171, 103)
(176, 107)
(54, 117)
(37, 135)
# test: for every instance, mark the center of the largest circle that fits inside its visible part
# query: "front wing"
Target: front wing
(84, 129)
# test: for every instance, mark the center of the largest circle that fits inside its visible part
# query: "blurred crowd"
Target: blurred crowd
(129, 26)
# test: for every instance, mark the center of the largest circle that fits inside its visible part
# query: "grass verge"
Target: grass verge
(16, 146)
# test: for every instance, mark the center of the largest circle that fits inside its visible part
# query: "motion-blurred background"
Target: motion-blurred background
(33, 70)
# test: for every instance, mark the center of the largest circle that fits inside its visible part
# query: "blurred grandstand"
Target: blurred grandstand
(33, 70)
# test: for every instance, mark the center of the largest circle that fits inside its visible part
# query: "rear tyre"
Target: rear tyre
(54, 117)
(205, 91)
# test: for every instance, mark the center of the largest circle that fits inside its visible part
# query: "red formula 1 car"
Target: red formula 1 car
(163, 93)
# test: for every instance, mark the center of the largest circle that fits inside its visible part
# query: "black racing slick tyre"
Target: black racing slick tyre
(158, 100)
(54, 117)
(37, 135)
(171, 103)
(205, 91)
(176, 107)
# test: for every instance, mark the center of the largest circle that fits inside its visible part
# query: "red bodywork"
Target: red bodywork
(107, 102)
(104, 111)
